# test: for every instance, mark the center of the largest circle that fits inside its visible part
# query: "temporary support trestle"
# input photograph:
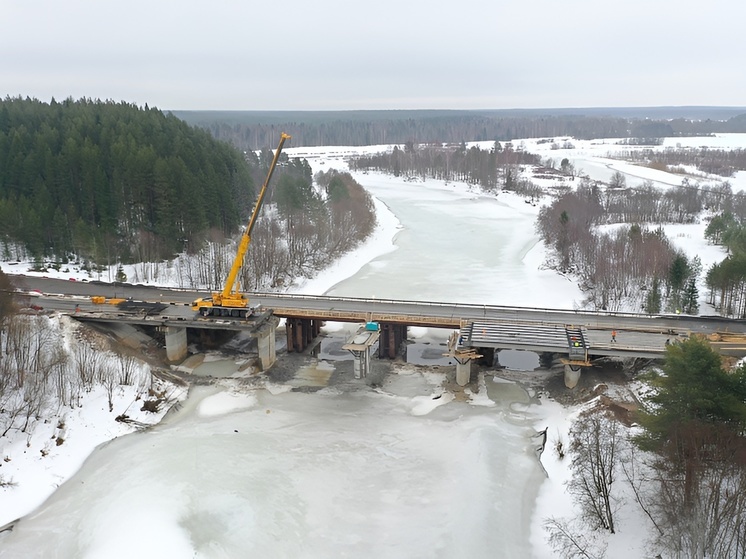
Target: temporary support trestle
(577, 355)
(360, 345)
(392, 336)
(463, 357)
(301, 332)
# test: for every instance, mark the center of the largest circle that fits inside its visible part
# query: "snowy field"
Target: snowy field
(403, 471)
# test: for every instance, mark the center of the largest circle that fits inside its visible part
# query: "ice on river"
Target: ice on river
(364, 473)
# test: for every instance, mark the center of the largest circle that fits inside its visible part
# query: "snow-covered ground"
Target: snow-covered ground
(55, 446)
(410, 396)
(599, 159)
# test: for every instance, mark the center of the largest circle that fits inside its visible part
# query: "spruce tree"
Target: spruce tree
(653, 298)
(690, 299)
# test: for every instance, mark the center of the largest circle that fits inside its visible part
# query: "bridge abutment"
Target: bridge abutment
(176, 343)
(265, 342)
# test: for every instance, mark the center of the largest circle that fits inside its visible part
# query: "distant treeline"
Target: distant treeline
(491, 169)
(105, 180)
(252, 130)
(723, 162)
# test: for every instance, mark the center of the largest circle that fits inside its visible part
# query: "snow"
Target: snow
(595, 158)
(224, 403)
(113, 525)
(38, 465)
(379, 243)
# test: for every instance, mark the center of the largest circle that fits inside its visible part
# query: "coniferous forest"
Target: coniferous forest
(102, 179)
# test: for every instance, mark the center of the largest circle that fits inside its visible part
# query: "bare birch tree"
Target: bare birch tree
(595, 446)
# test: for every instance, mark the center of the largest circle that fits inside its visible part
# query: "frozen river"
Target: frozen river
(401, 470)
(353, 474)
(458, 247)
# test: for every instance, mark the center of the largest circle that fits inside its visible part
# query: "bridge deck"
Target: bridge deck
(504, 327)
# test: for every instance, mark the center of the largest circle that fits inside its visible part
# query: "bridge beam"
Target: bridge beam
(176, 343)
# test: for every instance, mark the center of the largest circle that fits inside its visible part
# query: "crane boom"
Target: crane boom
(230, 301)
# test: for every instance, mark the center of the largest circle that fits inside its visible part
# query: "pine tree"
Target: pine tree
(694, 389)
(653, 298)
(690, 299)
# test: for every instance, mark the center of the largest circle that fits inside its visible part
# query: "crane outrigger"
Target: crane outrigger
(230, 302)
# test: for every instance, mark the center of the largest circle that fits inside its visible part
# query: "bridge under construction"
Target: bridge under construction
(577, 337)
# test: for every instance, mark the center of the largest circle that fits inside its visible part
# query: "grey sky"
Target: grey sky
(389, 54)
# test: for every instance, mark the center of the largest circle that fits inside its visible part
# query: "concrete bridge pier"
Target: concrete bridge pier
(361, 363)
(301, 332)
(176, 343)
(392, 336)
(463, 371)
(360, 346)
(572, 375)
(265, 341)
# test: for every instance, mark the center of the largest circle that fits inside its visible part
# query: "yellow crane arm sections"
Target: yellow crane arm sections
(230, 296)
(231, 285)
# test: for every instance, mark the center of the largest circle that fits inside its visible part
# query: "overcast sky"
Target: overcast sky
(385, 54)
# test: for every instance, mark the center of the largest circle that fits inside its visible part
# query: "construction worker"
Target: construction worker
(613, 336)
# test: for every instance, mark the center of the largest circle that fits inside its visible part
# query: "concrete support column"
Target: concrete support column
(296, 335)
(572, 376)
(289, 325)
(361, 363)
(176, 344)
(463, 372)
(316, 327)
(299, 334)
(265, 342)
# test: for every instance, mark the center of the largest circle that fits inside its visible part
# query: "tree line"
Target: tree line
(707, 160)
(309, 222)
(634, 264)
(727, 280)
(627, 265)
(251, 130)
(112, 181)
(492, 170)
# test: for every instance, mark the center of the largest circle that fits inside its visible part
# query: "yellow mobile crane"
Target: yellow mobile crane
(230, 302)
